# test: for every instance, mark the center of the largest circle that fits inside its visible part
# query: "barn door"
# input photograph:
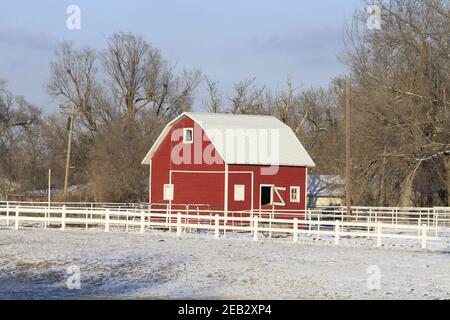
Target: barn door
(279, 194)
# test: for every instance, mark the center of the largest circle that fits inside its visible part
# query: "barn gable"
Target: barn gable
(272, 142)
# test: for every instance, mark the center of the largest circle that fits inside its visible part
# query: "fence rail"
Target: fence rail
(422, 226)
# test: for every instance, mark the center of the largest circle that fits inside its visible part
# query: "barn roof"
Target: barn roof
(290, 152)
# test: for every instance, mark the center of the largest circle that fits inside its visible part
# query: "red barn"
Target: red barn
(229, 163)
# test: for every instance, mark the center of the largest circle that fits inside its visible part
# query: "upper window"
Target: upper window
(188, 135)
(295, 194)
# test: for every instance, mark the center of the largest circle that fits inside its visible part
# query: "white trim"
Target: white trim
(150, 183)
(170, 182)
(306, 189)
(225, 199)
(160, 139)
(185, 131)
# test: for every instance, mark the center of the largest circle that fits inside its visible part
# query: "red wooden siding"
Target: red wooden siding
(197, 186)
(199, 189)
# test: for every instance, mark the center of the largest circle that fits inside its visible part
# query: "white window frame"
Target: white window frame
(239, 193)
(168, 195)
(185, 131)
(297, 199)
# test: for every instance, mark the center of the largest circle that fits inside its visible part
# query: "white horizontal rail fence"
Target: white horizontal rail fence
(436, 217)
(74, 204)
(431, 216)
(217, 222)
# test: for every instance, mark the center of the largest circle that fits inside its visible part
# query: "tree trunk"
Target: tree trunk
(382, 191)
(406, 189)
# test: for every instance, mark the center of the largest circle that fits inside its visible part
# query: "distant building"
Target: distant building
(325, 190)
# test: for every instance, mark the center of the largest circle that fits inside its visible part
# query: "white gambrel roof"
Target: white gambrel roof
(273, 142)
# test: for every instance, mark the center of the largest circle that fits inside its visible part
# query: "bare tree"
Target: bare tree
(214, 102)
(15, 112)
(401, 75)
(126, 62)
(141, 77)
(248, 99)
(20, 145)
(72, 77)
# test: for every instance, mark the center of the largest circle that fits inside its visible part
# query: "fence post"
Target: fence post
(420, 223)
(319, 218)
(309, 219)
(107, 221)
(424, 236)
(255, 228)
(337, 230)
(437, 222)
(216, 227)
(295, 230)
(87, 220)
(7, 214)
(17, 219)
(142, 222)
(179, 224)
(379, 234)
(368, 227)
(46, 213)
(150, 218)
(63, 218)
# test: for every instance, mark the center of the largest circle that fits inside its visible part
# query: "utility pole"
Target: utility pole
(47, 214)
(348, 159)
(448, 181)
(69, 149)
(447, 166)
(49, 186)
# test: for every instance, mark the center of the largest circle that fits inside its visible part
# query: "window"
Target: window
(188, 136)
(295, 194)
(239, 193)
(266, 195)
(168, 192)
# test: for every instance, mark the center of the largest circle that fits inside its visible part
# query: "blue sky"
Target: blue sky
(228, 40)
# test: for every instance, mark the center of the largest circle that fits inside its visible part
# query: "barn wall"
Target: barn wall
(286, 177)
(190, 188)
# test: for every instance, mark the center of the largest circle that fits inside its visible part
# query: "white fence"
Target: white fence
(421, 227)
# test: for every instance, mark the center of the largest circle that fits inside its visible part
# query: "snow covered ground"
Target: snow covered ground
(34, 264)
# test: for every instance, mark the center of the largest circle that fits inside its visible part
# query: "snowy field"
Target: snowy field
(34, 264)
